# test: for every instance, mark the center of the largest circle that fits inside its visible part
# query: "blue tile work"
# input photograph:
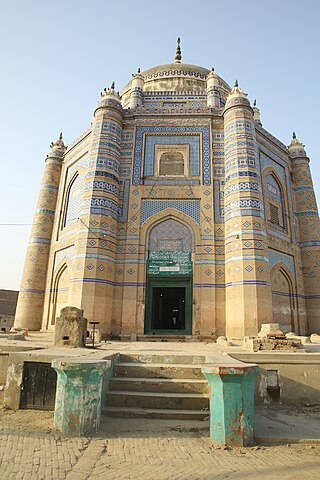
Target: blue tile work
(170, 233)
(288, 260)
(194, 151)
(175, 181)
(73, 201)
(82, 162)
(62, 255)
(188, 207)
(140, 133)
(282, 170)
(102, 186)
(218, 202)
(244, 207)
(243, 187)
(268, 162)
(242, 173)
(178, 96)
(101, 206)
(123, 217)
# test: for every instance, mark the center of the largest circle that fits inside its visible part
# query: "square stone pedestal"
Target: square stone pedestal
(78, 397)
(231, 402)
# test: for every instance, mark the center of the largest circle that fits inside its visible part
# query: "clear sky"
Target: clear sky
(57, 55)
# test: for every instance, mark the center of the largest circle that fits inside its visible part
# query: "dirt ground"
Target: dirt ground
(43, 420)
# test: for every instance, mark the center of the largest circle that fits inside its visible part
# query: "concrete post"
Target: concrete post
(231, 402)
(78, 397)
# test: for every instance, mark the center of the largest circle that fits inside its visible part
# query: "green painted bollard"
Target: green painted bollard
(78, 397)
(231, 402)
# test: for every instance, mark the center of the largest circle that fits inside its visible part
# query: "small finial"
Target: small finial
(138, 70)
(60, 136)
(236, 83)
(178, 56)
(254, 103)
(294, 135)
(212, 69)
(112, 85)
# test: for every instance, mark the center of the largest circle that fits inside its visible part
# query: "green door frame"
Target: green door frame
(171, 282)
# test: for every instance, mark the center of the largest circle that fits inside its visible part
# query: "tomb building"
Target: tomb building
(176, 213)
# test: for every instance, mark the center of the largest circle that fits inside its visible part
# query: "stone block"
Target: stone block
(71, 328)
(254, 344)
(270, 330)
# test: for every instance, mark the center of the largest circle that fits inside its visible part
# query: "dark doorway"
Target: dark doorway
(168, 308)
(39, 385)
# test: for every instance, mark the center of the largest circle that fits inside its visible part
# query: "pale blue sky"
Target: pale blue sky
(56, 57)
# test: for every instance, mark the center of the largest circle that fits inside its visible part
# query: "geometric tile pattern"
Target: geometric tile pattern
(170, 235)
(194, 151)
(141, 131)
(188, 207)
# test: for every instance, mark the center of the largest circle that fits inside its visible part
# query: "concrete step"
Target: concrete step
(169, 385)
(163, 358)
(155, 370)
(156, 413)
(165, 338)
(184, 401)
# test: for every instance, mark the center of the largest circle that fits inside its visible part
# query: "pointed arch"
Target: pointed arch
(283, 302)
(60, 291)
(275, 200)
(72, 201)
(170, 233)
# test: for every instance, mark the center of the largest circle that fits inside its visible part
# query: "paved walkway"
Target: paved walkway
(135, 449)
(138, 449)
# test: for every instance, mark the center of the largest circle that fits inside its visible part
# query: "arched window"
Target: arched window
(73, 200)
(275, 202)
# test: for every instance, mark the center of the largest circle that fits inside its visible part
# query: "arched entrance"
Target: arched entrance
(169, 279)
(282, 299)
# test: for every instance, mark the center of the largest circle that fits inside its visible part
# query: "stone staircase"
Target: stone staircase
(158, 386)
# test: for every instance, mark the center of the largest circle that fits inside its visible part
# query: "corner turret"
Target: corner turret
(296, 148)
(136, 95)
(256, 113)
(213, 95)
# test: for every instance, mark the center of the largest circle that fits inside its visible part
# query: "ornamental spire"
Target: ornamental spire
(178, 56)
(296, 148)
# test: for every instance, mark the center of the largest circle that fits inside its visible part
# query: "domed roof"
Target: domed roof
(177, 69)
(176, 77)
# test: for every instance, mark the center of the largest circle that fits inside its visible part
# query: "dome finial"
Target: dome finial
(236, 83)
(112, 85)
(254, 103)
(178, 56)
(60, 136)
(294, 135)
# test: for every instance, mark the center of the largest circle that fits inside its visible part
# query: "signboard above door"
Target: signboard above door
(169, 262)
